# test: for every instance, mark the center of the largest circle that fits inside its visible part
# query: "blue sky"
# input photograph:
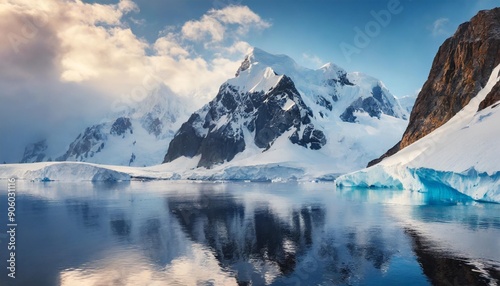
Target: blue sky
(312, 31)
(64, 63)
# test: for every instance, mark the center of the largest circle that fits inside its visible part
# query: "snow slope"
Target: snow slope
(461, 155)
(357, 114)
(137, 135)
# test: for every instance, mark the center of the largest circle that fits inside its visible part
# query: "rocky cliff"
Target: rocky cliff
(460, 69)
(35, 152)
(217, 131)
(274, 104)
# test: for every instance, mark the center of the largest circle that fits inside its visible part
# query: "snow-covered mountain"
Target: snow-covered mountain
(462, 155)
(134, 136)
(275, 111)
(36, 152)
(275, 120)
(407, 102)
(451, 143)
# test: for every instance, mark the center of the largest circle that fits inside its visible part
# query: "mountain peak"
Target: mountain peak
(275, 104)
(281, 64)
(460, 69)
(332, 71)
(330, 66)
(483, 26)
(259, 55)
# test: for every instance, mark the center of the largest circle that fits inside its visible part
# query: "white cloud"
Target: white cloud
(61, 52)
(214, 25)
(168, 45)
(240, 47)
(94, 46)
(439, 27)
(207, 26)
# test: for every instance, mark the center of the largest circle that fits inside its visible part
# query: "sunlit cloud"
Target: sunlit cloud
(93, 45)
(214, 25)
(60, 58)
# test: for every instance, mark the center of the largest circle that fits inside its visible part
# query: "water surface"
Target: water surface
(188, 233)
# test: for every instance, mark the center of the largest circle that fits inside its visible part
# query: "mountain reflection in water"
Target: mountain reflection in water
(174, 233)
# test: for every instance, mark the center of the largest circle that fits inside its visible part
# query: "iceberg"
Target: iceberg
(62, 171)
(461, 155)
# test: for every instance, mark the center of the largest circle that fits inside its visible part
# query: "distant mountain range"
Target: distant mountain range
(136, 136)
(276, 120)
(272, 111)
(274, 104)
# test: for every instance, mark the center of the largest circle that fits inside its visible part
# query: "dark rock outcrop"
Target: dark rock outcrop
(244, 66)
(374, 105)
(492, 97)
(216, 132)
(311, 137)
(186, 142)
(120, 126)
(84, 143)
(35, 152)
(459, 71)
(341, 80)
(153, 124)
(394, 149)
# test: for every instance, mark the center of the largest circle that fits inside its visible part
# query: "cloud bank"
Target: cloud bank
(63, 63)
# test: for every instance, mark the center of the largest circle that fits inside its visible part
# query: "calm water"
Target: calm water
(186, 233)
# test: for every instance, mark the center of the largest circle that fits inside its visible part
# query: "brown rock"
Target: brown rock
(460, 69)
(491, 98)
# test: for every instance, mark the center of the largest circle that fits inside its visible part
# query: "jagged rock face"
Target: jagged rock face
(216, 132)
(460, 69)
(86, 144)
(92, 140)
(274, 116)
(374, 105)
(314, 139)
(120, 126)
(273, 104)
(152, 125)
(35, 152)
(244, 66)
(492, 97)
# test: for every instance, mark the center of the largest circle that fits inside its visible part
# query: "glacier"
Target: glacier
(63, 171)
(461, 155)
